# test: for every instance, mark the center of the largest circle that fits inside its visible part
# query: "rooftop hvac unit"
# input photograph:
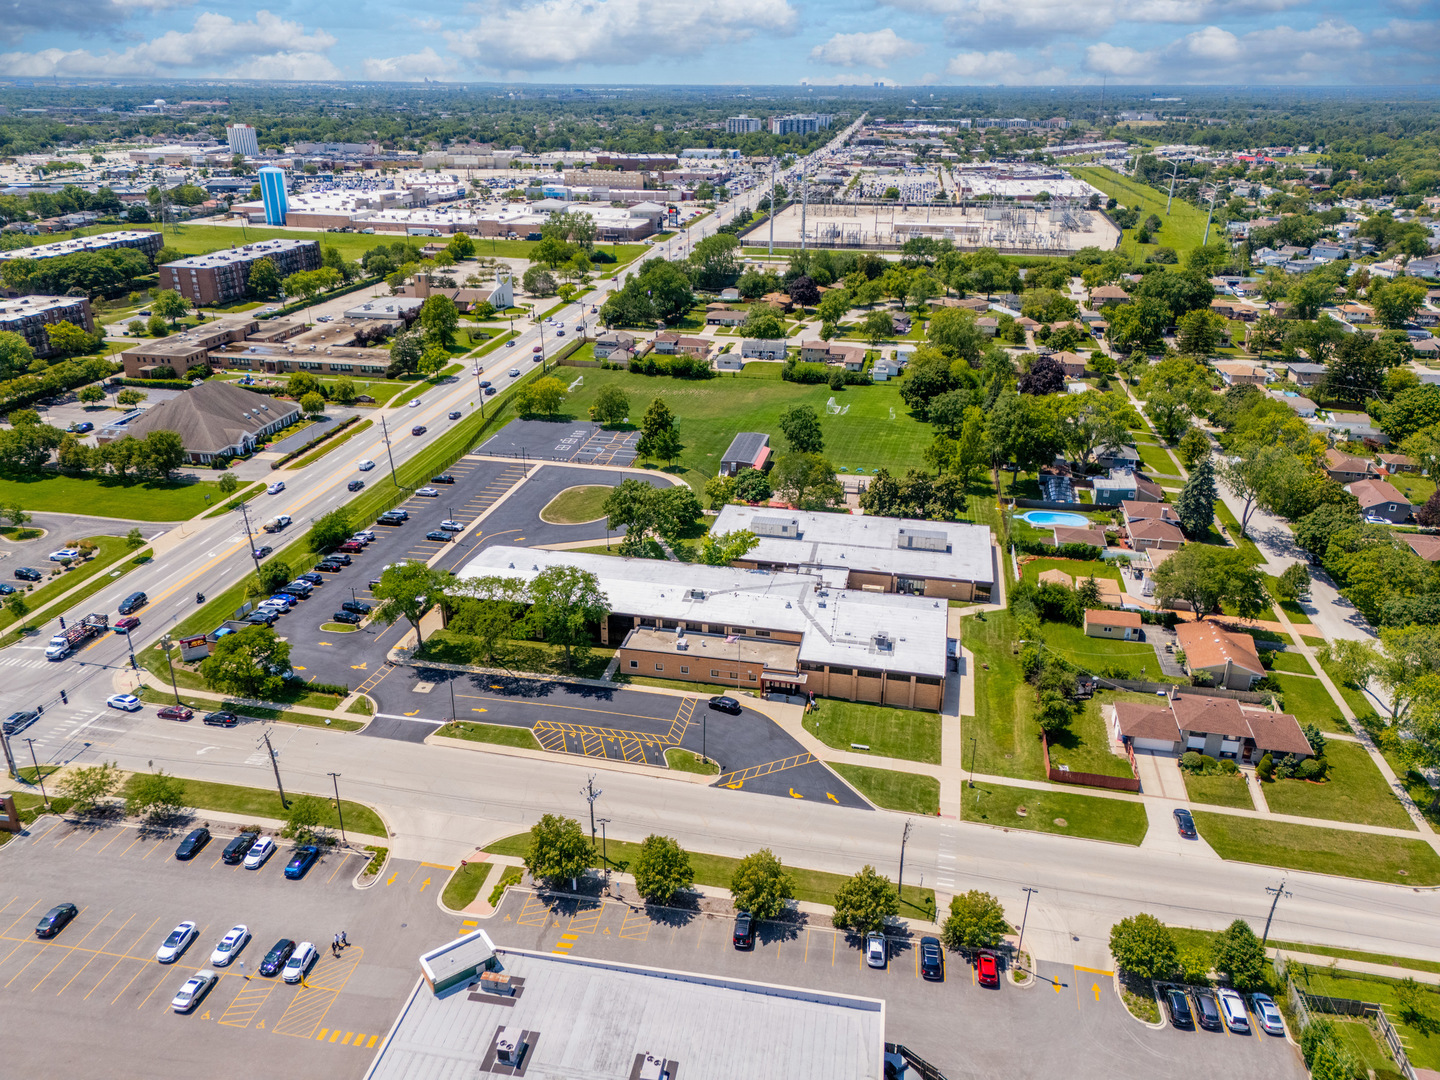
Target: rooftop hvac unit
(884, 642)
(787, 528)
(694, 594)
(923, 540)
(510, 1046)
(652, 1068)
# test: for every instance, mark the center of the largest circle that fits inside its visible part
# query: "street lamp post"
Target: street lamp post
(40, 778)
(340, 814)
(165, 644)
(1029, 892)
(129, 645)
(604, 850)
(972, 760)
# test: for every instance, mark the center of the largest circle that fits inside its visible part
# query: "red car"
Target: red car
(176, 712)
(129, 622)
(987, 971)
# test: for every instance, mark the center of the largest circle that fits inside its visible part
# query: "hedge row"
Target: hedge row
(315, 442)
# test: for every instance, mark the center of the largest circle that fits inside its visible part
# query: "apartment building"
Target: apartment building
(148, 242)
(799, 124)
(32, 316)
(224, 276)
(242, 140)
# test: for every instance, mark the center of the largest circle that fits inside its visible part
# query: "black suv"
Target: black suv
(238, 848)
(932, 960)
(339, 557)
(359, 607)
(24, 573)
(194, 840)
(1179, 1006)
(221, 719)
(19, 721)
(443, 478)
(725, 704)
(276, 957)
(346, 617)
(744, 935)
(310, 578)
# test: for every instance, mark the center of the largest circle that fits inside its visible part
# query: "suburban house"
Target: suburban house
(1108, 294)
(763, 348)
(1115, 457)
(616, 341)
(1217, 726)
(1427, 547)
(823, 352)
(1066, 535)
(900, 322)
(214, 420)
(1236, 374)
(1305, 374)
(670, 342)
(721, 315)
(1302, 405)
(1152, 525)
(1395, 463)
(1381, 499)
(1126, 485)
(748, 450)
(1229, 658)
(1118, 625)
(1345, 468)
(1072, 364)
(499, 294)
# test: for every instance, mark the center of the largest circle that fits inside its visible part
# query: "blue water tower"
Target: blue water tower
(272, 194)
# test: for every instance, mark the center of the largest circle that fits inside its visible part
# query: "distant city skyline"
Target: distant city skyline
(718, 42)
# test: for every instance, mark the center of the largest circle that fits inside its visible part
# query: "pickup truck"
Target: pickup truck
(278, 524)
(63, 643)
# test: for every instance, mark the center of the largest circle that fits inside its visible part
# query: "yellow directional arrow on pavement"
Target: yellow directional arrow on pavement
(479, 710)
(358, 667)
(795, 794)
(412, 712)
(427, 882)
(831, 797)
(1096, 988)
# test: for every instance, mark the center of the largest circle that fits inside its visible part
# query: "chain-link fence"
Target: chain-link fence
(1305, 1007)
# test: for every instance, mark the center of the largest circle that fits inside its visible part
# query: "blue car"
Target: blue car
(286, 599)
(301, 861)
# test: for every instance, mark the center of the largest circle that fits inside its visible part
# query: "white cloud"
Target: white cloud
(268, 47)
(1038, 20)
(531, 34)
(1003, 66)
(73, 16)
(874, 49)
(847, 78)
(1212, 54)
(412, 67)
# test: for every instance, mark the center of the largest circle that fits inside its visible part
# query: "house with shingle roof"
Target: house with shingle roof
(1345, 468)
(214, 420)
(1381, 499)
(1229, 658)
(1218, 726)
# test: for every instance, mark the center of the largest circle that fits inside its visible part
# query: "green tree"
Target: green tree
(1193, 446)
(565, 602)
(331, 530)
(801, 427)
(953, 332)
(17, 606)
(87, 786)
(976, 921)
(1396, 302)
(612, 405)
(1294, 582)
(865, 902)
(304, 821)
(1144, 947)
(312, 405)
(724, 548)
(662, 869)
(155, 797)
(228, 484)
(558, 851)
(659, 437)
(538, 282)
(439, 317)
(67, 339)
(130, 396)
(134, 539)
(1200, 333)
(16, 355)
(1399, 663)
(264, 279)
(1238, 956)
(763, 321)
(1195, 505)
(91, 394)
(719, 491)
(807, 481)
(253, 663)
(1207, 577)
(409, 590)
(877, 326)
(761, 886)
(271, 577)
(169, 304)
(752, 486)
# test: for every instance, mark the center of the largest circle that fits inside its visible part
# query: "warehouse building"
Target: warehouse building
(945, 559)
(224, 276)
(770, 633)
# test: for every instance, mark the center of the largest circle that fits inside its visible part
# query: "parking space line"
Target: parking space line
(103, 950)
(138, 837)
(63, 957)
(53, 826)
(19, 917)
(165, 970)
(587, 922)
(27, 964)
(124, 956)
(242, 1009)
(308, 1008)
(93, 833)
(118, 833)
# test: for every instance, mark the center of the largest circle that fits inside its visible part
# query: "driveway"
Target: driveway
(1160, 776)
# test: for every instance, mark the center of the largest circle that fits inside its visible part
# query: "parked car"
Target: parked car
(1232, 1009)
(194, 841)
(300, 962)
(339, 557)
(359, 607)
(875, 952)
(126, 702)
(221, 718)
(932, 958)
(262, 617)
(440, 536)
(84, 427)
(230, 945)
(390, 517)
(722, 703)
(276, 488)
(64, 554)
(5, 589)
(364, 536)
(311, 578)
(236, 850)
(743, 936)
(428, 492)
(276, 957)
(365, 464)
(351, 547)
(176, 712)
(1178, 1006)
(19, 721)
(303, 858)
(452, 526)
(443, 478)
(55, 920)
(418, 429)
(1207, 1014)
(1185, 823)
(328, 567)
(987, 970)
(1267, 1015)
(195, 989)
(25, 573)
(346, 617)
(175, 944)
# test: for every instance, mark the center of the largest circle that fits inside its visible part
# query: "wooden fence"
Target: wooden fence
(1068, 776)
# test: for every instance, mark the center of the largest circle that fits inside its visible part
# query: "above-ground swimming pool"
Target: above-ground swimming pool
(1046, 519)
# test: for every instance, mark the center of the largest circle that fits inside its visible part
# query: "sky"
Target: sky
(721, 42)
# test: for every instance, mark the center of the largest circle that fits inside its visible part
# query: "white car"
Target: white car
(452, 526)
(875, 949)
(230, 945)
(65, 553)
(514, 373)
(428, 492)
(365, 464)
(173, 946)
(1232, 1008)
(275, 488)
(1267, 1014)
(300, 962)
(128, 702)
(195, 988)
(415, 404)
(259, 852)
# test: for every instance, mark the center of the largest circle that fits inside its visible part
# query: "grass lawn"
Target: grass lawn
(1100, 655)
(1319, 850)
(699, 688)
(878, 431)
(1156, 460)
(896, 733)
(893, 790)
(685, 761)
(1219, 790)
(1118, 820)
(1292, 609)
(109, 497)
(262, 802)
(1085, 745)
(577, 505)
(1354, 790)
(1310, 703)
(1233, 524)
(1182, 230)
(1421, 1039)
(1006, 742)
(1290, 661)
(1360, 703)
(1078, 569)
(1414, 487)
(464, 885)
(502, 734)
(815, 886)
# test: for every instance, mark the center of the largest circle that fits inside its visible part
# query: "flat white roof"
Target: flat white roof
(867, 544)
(18, 307)
(590, 1018)
(838, 625)
(97, 242)
(245, 253)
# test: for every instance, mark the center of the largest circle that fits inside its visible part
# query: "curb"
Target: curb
(357, 883)
(1120, 993)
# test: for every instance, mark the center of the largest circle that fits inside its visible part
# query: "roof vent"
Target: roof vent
(652, 1068)
(883, 642)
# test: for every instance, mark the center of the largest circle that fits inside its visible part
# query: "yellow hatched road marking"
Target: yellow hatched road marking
(317, 994)
(741, 775)
(247, 1003)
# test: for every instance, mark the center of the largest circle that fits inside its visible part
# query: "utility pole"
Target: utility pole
(605, 851)
(1029, 892)
(9, 758)
(451, 684)
(335, 778)
(772, 207)
(1276, 891)
(804, 199)
(590, 794)
(1174, 171)
(385, 433)
(39, 778)
(904, 838)
(165, 644)
(275, 764)
(249, 538)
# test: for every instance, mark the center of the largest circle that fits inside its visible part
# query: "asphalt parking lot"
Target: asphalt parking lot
(578, 441)
(1068, 1023)
(95, 993)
